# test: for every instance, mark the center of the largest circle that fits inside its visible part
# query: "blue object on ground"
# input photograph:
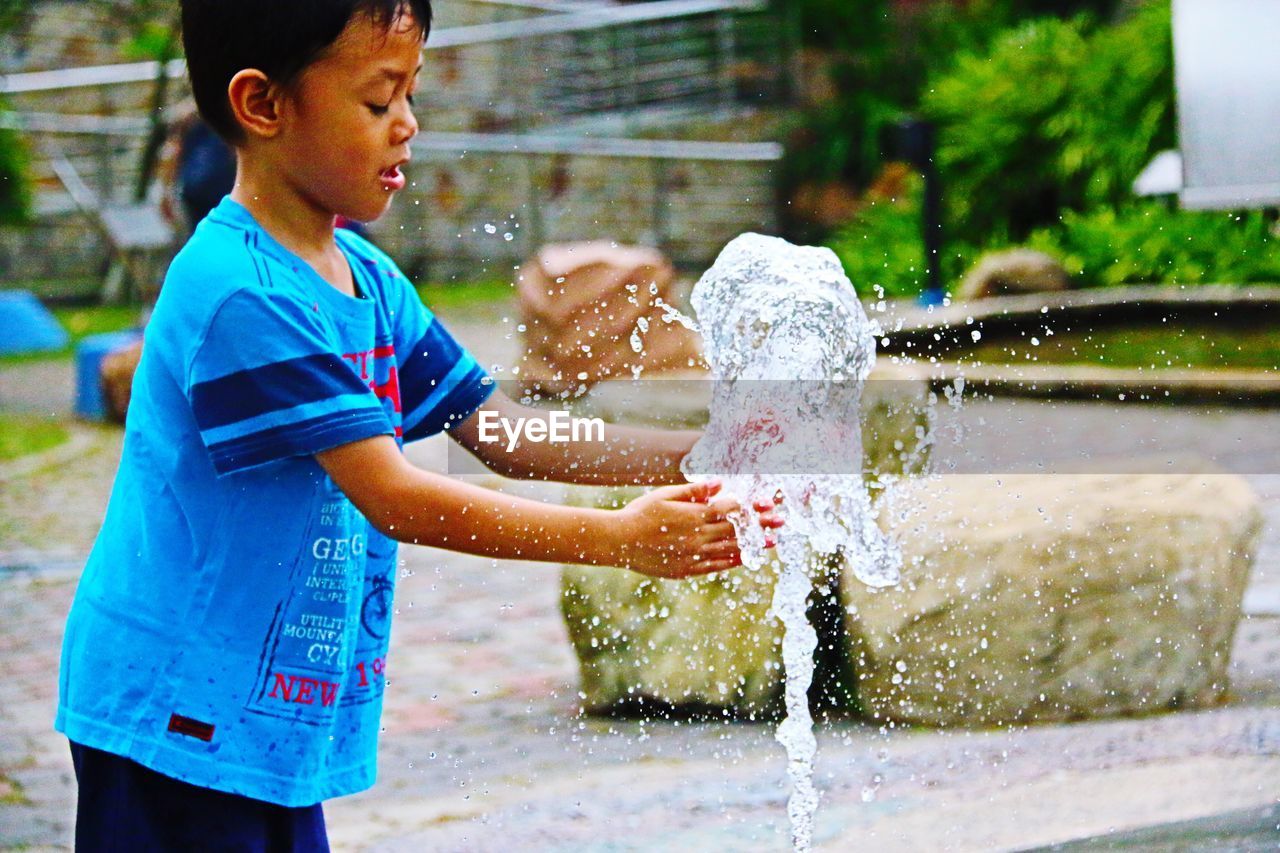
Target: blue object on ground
(27, 326)
(930, 296)
(90, 352)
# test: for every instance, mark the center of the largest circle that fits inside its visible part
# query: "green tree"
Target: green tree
(154, 34)
(880, 56)
(1000, 127)
(1055, 116)
(15, 191)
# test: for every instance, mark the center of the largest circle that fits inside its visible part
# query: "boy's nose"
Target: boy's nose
(407, 127)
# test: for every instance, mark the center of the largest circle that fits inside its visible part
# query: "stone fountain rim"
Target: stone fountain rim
(1222, 386)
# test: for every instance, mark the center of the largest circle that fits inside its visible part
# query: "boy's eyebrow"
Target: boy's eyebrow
(394, 74)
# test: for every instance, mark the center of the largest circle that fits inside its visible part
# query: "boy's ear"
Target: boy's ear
(255, 101)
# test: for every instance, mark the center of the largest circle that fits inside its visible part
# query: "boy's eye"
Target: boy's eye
(382, 109)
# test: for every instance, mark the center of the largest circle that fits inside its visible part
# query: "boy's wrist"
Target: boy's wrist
(609, 538)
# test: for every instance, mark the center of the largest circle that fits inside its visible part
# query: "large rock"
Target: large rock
(704, 643)
(1039, 598)
(644, 644)
(1014, 272)
(593, 311)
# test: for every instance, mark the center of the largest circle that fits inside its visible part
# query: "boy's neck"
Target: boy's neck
(293, 220)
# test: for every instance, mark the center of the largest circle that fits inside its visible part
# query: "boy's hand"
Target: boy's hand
(682, 531)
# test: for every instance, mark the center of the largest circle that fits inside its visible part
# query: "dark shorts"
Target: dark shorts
(123, 806)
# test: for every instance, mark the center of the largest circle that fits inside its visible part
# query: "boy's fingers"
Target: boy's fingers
(766, 504)
(721, 549)
(718, 565)
(720, 510)
(722, 532)
(695, 492)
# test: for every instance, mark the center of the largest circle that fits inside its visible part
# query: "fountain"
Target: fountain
(789, 348)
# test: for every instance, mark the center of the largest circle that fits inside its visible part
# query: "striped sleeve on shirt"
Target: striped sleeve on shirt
(441, 384)
(266, 384)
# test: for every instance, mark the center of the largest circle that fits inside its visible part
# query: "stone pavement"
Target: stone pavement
(484, 746)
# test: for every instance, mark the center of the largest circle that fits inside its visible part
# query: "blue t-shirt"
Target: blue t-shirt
(230, 628)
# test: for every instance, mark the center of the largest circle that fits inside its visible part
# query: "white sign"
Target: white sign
(1227, 68)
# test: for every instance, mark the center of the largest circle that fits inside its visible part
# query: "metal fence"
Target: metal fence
(550, 70)
(512, 108)
(478, 204)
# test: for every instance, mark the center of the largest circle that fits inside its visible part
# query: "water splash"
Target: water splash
(672, 314)
(790, 347)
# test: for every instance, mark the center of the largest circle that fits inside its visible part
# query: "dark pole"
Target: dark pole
(932, 226)
(919, 147)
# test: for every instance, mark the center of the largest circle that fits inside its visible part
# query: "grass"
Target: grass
(24, 434)
(1150, 345)
(76, 288)
(11, 793)
(454, 297)
(81, 321)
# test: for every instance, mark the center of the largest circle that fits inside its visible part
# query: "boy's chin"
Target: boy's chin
(366, 213)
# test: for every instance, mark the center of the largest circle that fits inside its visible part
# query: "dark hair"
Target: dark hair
(280, 38)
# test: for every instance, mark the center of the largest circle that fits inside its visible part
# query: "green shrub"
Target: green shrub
(881, 54)
(1056, 116)
(882, 248)
(15, 193)
(11, 12)
(1146, 242)
(1121, 111)
(997, 130)
(1041, 133)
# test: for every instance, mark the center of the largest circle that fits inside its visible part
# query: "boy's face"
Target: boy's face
(346, 127)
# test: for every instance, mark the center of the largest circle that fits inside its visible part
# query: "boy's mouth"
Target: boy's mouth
(392, 179)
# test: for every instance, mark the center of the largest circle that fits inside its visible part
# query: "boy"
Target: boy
(222, 669)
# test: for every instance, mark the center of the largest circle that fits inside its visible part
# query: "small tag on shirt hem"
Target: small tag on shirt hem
(191, 728)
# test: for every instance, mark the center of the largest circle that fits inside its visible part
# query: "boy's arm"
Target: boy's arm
(625, 456)
(677, 531)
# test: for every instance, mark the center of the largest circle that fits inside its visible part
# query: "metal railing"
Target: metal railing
(573, 20)
(577, 60)
(692, 54)
(531, 144)
(487, 201)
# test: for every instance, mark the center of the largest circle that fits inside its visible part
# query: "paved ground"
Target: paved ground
(485, 749)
